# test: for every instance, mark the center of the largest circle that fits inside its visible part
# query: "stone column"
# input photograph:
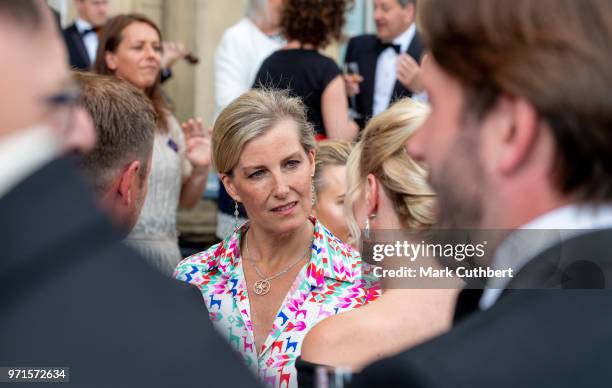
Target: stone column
(213, 17)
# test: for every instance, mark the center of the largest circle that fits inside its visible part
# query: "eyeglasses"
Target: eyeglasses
(69, 95)
(62, 107)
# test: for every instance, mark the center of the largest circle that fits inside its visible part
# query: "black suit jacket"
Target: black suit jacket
(79, 59)
(529, 338)
(71, 295)
(364, 50)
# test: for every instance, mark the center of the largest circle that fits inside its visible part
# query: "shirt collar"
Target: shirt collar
(330, 258)
(405, 38)
(549, 229)
(23, 153)
(82, 25)
(554, 227)
(576, 216)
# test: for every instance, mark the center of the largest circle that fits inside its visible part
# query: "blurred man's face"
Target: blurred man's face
(392, 19)
(37, 89)
(95, 12)
(34, 69)
(449, 143)
(274, 12)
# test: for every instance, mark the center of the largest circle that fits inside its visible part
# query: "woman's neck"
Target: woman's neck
(272, 251)
(296, 44)
(387, 230)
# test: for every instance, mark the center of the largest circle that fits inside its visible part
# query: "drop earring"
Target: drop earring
(236, 214)
(313, 195)
(367, 229)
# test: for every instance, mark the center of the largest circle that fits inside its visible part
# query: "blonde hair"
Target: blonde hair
(251, 115)
(329, 153)
(381, 152)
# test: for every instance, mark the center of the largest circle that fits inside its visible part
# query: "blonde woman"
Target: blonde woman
(279, 274)
(330, 185)
(387, 190)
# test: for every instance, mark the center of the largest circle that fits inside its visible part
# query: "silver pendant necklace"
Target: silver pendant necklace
(263, 285)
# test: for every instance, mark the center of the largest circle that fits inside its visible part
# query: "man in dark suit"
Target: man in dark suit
(81, 37)
(387, 62)
(71, 295)
(519, 138)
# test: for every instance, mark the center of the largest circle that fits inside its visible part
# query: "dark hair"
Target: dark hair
(124, 120)
(111, 38)
(555, 54)
(314, 22)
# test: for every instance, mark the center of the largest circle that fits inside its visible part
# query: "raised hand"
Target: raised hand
(172, 52)
(198, 143)
(409, 73)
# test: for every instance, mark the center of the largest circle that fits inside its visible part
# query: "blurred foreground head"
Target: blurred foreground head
(521, 107)
(118, 167)
(37, 90)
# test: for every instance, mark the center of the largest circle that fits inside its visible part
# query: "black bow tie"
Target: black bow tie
(89, 31)
(383, 46)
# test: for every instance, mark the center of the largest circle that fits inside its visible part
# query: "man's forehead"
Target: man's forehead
(39, 52)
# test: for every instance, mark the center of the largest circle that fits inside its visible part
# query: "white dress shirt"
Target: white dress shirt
(386, 70)
(239, 55)
(24, 152)
(554, 227)
(90, 40)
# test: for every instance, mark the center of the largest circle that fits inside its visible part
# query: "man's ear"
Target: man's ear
(111, 60)
(129, 179)
(410, 11)
(230, 188)
(516, 133)
(371, 194)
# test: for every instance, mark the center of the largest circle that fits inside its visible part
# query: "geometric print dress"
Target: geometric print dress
(334, 280)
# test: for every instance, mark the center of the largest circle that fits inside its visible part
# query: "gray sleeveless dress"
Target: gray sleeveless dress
(155, 234)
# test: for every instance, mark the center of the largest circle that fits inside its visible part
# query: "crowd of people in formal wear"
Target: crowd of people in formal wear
(472, 115)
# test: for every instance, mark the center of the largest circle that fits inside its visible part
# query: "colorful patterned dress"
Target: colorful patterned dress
(333, 281)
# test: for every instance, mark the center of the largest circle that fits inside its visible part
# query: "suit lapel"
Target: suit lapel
(399, 92)
(415, 50)
(579, 263)
(369, 82)
(78, 44)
